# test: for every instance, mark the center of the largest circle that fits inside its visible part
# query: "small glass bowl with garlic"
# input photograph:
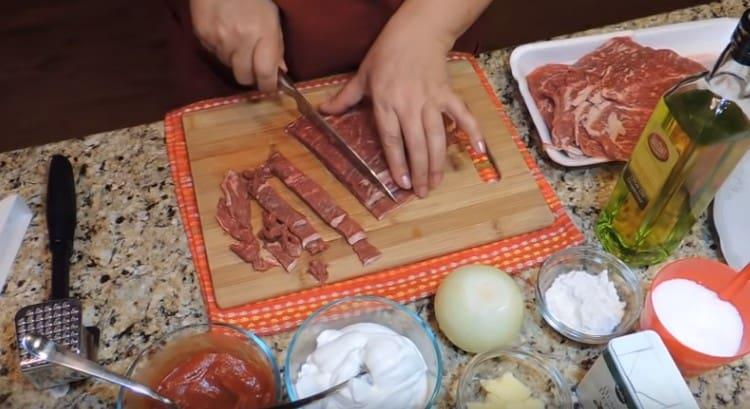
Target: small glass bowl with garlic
(512, 378)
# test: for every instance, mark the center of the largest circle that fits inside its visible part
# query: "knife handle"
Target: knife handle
(61, 222)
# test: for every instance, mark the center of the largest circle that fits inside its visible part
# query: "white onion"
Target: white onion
(479, 308)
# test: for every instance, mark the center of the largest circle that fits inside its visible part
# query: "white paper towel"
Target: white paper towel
(15, 216)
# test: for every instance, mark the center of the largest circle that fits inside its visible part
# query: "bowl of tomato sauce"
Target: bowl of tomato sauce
(206, 366)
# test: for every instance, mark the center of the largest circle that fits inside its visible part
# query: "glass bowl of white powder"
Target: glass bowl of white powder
(392, 343)
(588, 295)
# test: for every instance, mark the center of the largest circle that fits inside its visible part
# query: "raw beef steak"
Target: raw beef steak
(598, 106)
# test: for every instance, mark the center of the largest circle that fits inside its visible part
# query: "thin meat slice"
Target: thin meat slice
(272, 202)
(358, 128)
(318, 269)
(274, 230)
(316, 247)
(318, 199)
(598, 106)
(287, 261)
(280, 242)
(233, 216)
(247, 248)
(366, 252)
(350, 229)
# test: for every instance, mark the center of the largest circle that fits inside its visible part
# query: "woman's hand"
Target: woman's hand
(245, 35)
(405, 74)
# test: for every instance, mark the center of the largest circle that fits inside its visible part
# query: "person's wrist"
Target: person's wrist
(439, 38)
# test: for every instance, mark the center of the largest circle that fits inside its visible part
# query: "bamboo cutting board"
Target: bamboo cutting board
(462, 212)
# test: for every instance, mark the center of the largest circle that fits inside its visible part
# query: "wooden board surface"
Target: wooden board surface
(462, 212)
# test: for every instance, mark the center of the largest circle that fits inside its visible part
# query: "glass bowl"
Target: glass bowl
(153, 363)
(353, 310)
(545, 382)
(592, 261)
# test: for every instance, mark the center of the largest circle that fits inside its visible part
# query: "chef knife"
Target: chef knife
(309, 112)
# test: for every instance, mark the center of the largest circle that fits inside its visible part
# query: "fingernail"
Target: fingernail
(422, 191)
(435, 179)
(482, 148)
(405, 182)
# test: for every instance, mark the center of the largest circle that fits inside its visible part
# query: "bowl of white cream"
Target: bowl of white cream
(390, 342)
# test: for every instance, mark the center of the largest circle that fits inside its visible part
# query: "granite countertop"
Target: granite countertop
(133, 272)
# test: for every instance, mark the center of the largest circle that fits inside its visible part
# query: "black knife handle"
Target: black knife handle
(61, 222)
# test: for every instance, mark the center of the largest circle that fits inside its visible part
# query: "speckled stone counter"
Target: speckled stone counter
(133, 272)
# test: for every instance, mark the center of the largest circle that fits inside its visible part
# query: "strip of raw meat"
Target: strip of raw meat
(598, 106)
(248, 248)
(274, 230)
(318, 269)
(288, 262)
(350, 229)
(280, 242)
(272, 202)
(233, 216)
(366, 252)
(358, 128)
(318, 199)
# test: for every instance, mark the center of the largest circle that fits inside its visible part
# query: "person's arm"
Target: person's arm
(405, 74)
(243, 34)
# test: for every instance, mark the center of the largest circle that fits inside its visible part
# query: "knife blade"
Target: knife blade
(309, 112)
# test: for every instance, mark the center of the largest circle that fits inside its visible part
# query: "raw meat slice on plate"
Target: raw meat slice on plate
(598, 106)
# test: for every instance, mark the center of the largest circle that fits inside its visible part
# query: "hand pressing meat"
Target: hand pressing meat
(405, 74)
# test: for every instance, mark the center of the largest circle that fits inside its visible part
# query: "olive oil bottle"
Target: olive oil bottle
(693, 140)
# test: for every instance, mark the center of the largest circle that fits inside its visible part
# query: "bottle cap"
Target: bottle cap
(741, 40)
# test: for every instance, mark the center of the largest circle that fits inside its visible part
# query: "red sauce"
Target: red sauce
(218, 380)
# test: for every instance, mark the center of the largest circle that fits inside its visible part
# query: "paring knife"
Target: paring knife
(309, 112)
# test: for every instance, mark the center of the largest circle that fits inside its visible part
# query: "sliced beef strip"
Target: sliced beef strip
(233, 216)
(350, 229)
(318, 199)
(598, 106)
(280, 242)
(274, 230)
(288, 262)
(366, 252)
(318, 269)
(358, 128)
(272, 202)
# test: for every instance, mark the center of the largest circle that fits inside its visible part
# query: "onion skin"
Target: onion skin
(479, 308)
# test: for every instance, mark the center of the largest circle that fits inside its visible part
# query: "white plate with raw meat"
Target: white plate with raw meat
(730, 215)
(604, 128)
